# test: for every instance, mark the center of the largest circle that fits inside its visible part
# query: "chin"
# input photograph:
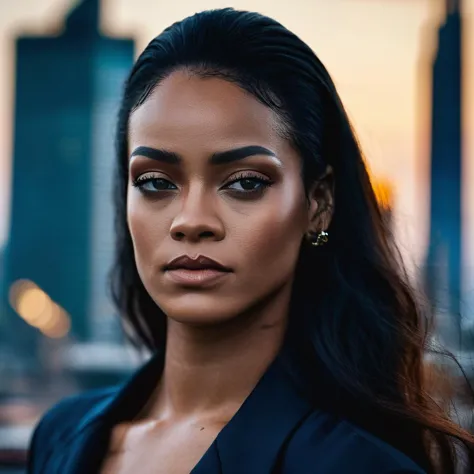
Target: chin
(200, 309)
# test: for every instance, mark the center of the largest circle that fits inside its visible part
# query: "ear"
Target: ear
(321, 202)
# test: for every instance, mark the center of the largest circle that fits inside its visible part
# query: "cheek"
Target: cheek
(272, 237)
(147, 228)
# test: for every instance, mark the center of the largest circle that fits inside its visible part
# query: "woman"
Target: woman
(254, 264)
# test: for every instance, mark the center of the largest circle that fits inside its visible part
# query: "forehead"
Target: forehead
(188, 110)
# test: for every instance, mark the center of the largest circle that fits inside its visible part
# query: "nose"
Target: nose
(197, 219)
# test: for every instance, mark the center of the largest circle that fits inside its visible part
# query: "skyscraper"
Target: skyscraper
(445, 245)
(61, 237)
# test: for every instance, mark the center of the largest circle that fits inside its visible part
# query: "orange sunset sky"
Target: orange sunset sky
(378, 52)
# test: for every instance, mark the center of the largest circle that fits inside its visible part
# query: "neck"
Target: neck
(209, 371)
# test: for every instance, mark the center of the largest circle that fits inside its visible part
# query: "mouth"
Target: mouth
(198, 263)
(197, 271)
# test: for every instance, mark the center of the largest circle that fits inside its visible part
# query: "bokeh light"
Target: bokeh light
(383, 190)
(36, 308)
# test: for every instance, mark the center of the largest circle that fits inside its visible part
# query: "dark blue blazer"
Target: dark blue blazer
(276, 431)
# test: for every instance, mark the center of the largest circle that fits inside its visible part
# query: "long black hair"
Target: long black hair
(361, 321)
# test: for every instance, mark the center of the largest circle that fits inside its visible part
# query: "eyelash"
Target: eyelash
(146, 178)
(262, 181)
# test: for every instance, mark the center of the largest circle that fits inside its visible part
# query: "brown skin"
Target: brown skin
(221, 338)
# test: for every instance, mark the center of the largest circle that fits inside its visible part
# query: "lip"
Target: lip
(195, 278)
(200, 271)
(201, 262)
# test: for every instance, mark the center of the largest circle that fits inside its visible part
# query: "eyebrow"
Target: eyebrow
(217, 158)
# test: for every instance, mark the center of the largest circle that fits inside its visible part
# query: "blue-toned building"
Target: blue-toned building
(445, 246)
(67, 90)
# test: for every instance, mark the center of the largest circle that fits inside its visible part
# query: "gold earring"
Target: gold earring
(320, 239)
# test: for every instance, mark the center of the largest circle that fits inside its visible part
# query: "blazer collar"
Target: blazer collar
(251, 441)
(255, 437)
(80, 451)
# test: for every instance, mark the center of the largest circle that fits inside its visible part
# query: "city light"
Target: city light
(383, 190)
(38, 310)
(58, 323)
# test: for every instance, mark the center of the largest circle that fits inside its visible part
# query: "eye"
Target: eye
(248, 183)
(152, 183)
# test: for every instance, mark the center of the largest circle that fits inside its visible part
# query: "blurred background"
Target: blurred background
(404, 69)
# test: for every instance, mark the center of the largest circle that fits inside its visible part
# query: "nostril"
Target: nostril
(206, 234)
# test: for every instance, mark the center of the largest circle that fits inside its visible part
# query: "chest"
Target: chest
(156, 448)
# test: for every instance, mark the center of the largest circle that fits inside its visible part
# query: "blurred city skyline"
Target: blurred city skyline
(59, 95)
(378, 53)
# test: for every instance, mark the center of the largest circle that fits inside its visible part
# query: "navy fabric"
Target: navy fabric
(275, 431)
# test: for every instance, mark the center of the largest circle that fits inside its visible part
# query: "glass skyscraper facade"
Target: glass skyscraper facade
(68, 89)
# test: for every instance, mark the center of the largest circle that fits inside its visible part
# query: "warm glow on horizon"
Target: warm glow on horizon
(384, 193)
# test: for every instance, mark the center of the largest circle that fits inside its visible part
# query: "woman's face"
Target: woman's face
(210, 178)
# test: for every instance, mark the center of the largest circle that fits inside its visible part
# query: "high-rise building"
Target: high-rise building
(445, 245)
(66, 98)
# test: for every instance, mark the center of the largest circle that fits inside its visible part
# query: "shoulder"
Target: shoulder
(334, 445)
(62, 419)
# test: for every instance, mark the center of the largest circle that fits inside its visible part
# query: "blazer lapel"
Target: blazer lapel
(82, 451)
(251, 442)
(82, 455)
(255, 437)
